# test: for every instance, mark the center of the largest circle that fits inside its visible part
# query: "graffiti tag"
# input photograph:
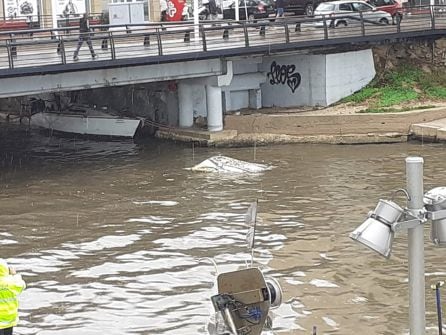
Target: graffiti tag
(284, 74)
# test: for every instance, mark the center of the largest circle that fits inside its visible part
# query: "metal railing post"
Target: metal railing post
(432, 17)
(226, 33)
(62, 50)
(160, 44)
(262, 30)
(146, 42)
(10, 58)
(203, 38)
(287, 34)
(298, 27)
(112, 45)
(104, 43)
(324, 20)
(245, 32)
(13, 46)
(58, 44)
(361, 17)
(187, 37)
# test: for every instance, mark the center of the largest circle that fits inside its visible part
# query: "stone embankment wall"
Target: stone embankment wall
(428, 55)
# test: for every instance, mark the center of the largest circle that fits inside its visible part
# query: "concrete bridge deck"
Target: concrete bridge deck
(51, 51)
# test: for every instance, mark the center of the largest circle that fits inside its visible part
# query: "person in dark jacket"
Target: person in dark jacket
(279, 8)
(84, 35)
(212, 9)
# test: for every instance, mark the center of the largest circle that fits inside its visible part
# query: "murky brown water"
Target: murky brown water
(109, 235)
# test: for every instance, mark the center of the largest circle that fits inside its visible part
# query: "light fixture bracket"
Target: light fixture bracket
(410, 220)
(436, 215)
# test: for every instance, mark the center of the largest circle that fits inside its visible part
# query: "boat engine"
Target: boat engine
(244, 299)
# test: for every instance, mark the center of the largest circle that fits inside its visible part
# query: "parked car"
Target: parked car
(301, 7)
(354, 9)
(256, 9)
(393, 7)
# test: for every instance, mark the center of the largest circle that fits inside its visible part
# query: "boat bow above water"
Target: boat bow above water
(87, 122)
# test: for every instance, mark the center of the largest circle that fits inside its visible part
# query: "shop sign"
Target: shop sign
(70, 8)
(21, 10)
(174, 10)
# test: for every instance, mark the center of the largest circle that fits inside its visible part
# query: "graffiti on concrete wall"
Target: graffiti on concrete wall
(284, 75)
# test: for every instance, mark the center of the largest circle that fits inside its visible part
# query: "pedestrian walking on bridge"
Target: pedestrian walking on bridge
(280, 4)
(11, 285)
(84, 35)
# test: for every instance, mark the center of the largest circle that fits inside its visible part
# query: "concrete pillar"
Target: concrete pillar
(214, 108)
(172, 109)
(255, 98)
(185, 104)
(154, 10)
(227, 97)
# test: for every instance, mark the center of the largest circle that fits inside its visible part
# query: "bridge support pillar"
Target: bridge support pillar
(214, 108)
(104, 44)
(187, 37)
(255, 98)
(185, 102)
(147, 40)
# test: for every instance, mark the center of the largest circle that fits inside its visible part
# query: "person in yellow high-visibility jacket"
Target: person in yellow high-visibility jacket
(11, 285)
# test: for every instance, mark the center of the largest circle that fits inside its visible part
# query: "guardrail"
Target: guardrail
(42, 47)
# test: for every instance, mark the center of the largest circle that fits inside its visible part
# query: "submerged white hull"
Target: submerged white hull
(100, 125)
(229, 165)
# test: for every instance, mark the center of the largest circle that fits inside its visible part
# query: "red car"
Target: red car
(393, 7)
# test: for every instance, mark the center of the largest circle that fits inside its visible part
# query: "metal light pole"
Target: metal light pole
(237, 13)
(54, 15)
(414, 179)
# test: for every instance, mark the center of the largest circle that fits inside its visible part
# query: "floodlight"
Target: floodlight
(376, 232)
(275, 292)
(435, 204)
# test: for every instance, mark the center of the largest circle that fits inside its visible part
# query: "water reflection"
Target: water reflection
(112, 237)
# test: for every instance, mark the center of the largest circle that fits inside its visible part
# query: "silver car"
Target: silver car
(353, 9)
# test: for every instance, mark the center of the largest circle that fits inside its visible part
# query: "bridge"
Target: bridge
(45, 51)
(36, 61)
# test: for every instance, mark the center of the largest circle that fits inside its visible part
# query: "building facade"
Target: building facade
(45, 13)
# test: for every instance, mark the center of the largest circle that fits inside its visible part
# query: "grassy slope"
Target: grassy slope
(395, 91)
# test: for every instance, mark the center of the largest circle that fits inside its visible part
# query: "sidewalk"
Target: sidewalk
(336, 127)
(434, 131)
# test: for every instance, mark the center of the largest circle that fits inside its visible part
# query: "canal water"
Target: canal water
(114, 237)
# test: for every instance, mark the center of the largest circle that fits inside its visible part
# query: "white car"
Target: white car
(353, 9)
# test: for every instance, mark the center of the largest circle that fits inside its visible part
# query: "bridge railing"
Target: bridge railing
(44, 47)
